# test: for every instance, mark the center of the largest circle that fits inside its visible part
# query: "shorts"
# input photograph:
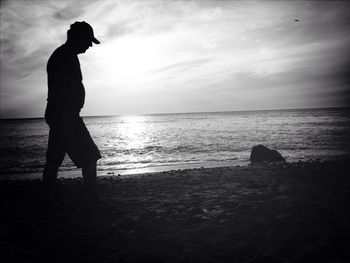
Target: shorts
(73, 138)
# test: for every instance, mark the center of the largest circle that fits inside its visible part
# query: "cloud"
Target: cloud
(182, 66)
(194, 54)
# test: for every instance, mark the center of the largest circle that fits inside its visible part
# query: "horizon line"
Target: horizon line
(193, 112)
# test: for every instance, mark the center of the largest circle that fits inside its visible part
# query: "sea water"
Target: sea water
(186, 140)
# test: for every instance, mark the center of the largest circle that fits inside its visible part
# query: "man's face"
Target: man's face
(83, 45)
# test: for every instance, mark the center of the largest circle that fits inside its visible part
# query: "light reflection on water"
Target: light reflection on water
(183, 140)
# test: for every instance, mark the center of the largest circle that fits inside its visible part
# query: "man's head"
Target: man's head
(81, 36)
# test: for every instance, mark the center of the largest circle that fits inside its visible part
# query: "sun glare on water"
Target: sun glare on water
(133, 131)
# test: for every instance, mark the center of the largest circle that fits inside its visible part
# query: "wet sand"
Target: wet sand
(291, 212)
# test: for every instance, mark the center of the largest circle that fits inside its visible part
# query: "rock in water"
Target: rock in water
(260, 153)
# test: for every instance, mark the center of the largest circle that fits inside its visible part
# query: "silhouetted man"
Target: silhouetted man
(66, 96)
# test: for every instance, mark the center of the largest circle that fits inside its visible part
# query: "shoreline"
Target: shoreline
(123, 173)
(127, 173)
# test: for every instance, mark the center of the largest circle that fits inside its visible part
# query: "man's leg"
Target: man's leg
(89, 176)
(84, 153)
(54, 157)
(49, 183)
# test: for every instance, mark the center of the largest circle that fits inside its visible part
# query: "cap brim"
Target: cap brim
(95, 41)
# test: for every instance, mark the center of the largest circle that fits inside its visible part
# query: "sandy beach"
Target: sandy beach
(283, 212)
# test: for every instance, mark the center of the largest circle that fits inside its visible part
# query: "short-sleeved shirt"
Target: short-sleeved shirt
(66, 93)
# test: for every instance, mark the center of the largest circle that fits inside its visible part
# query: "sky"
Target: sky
(180, 56)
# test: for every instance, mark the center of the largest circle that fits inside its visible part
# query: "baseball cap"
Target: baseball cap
(83, 29)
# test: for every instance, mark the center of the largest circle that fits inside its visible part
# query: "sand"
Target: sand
(290, 212)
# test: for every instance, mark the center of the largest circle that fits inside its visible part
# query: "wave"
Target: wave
(160, 140)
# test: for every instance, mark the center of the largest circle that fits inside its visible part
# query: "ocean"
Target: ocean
(159, 142)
